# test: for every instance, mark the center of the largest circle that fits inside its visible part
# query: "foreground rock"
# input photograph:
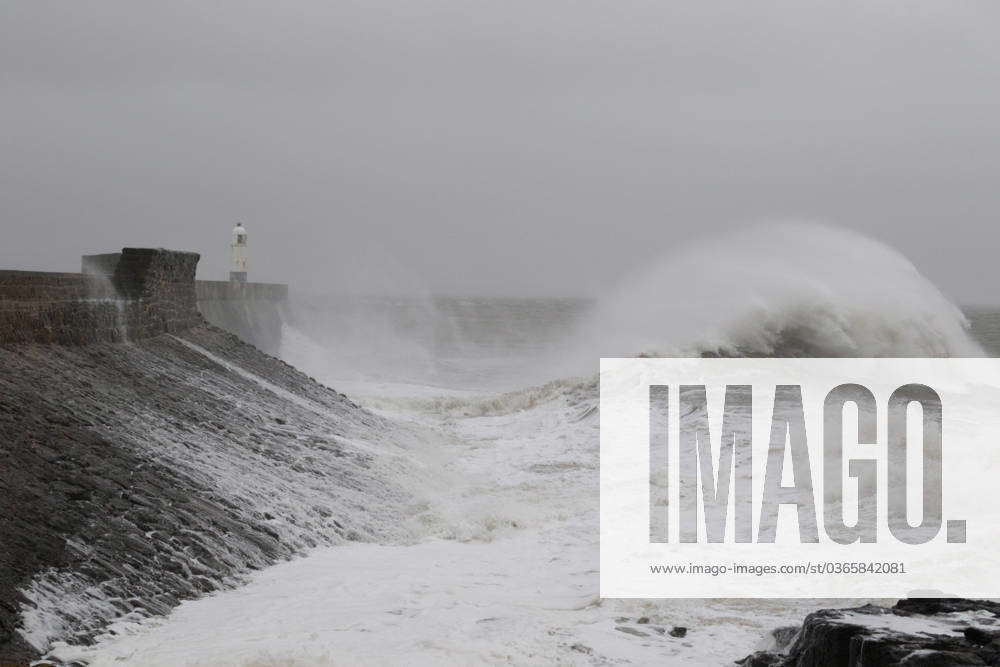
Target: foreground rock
(920, 632)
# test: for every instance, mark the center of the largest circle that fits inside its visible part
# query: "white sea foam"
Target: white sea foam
(507, 573)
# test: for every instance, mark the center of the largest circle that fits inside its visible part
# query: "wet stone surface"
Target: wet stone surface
(138, 475)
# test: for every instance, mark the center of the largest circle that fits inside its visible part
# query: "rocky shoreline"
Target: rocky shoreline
(922, 632)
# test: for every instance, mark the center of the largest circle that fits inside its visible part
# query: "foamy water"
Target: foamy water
(504, 565)
(506, 573)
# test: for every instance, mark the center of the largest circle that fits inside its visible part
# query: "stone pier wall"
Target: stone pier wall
(64, 308)
(150, 292)
(253, 311)
(161, 285)
(132, 295)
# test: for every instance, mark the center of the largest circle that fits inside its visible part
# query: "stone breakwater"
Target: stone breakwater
(255, 312)
(64, 308)
(151, 292)
(138, 475)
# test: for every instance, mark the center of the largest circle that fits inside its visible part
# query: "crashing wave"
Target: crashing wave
(780, 290)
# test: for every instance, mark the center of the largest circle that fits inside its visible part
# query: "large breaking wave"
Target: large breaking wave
(782, 290)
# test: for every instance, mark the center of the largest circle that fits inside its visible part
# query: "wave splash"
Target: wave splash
(780, 290)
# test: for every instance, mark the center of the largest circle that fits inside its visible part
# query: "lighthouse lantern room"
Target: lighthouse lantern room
(238, 254)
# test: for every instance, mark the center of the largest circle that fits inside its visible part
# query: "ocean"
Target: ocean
(984, 325)
(468, 343)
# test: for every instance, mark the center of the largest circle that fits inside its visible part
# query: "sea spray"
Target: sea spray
(777, 290)
(410, 344)
(100, 289)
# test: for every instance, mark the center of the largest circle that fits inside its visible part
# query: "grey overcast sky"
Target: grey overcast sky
(504, 147)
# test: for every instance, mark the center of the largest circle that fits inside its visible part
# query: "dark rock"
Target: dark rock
(642, 620)
(844, 637)
(980, 636)
(931, 606)
(943, 659)
(762, 659)
(678, 631)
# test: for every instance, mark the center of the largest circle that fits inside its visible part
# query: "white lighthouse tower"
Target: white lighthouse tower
(238, 254)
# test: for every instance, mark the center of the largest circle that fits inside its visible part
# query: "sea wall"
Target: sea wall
(140, 475)
(160, 286)
(151, 291)
(253, 311)
(136, 476)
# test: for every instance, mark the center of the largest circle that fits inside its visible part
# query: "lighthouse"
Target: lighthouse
(238, 254)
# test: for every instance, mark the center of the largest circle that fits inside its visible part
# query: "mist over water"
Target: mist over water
(772, 290)
(414, 344)
(780, 290)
